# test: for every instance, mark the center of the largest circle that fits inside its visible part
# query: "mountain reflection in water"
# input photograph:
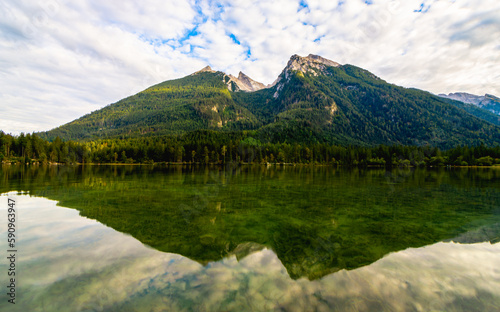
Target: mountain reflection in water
(70, 263)
(316, 220)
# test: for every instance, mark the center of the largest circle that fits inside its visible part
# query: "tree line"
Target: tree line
(212, 147)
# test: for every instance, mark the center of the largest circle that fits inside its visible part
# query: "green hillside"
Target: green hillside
(480, 112)
(311, 102)
(200, 101)
(349, 105)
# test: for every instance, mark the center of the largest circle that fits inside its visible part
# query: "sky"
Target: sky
(61, 59)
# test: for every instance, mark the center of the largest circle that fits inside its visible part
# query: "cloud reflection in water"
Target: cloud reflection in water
(70, 263)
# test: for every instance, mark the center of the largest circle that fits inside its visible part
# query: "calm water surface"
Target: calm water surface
(138, 238)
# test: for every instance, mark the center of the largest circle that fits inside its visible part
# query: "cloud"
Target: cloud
(60, 60)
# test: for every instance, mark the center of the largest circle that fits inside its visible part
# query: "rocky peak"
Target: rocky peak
(492, 97)
(245, 83)
(313, 64)
(204, 69)
(488, 101)
(242, 82)
(322, 60)
(465, 97)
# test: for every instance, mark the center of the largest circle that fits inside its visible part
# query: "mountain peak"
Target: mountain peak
(464, 97)
(311, 63)
(204, 69)
(488, 101)
(322, 60)
(492, 97)
(245, 83)
(241, 75)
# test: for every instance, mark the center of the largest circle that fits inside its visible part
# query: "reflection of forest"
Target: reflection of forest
(317, 219)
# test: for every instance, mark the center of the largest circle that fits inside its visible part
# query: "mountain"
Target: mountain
(240, 83)
(475, 110)
(245, 83)
(199, 101)
(313, 100)
(488, 102)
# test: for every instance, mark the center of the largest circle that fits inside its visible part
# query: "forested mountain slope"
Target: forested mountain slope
(313, 100)
(198, 101)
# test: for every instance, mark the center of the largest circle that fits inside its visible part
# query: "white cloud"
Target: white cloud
(62, 59)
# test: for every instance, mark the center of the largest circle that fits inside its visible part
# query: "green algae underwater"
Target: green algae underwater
(318, 220)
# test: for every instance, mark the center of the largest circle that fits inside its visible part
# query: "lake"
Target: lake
(251, 238)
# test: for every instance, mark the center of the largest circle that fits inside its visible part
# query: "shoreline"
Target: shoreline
(496, 166)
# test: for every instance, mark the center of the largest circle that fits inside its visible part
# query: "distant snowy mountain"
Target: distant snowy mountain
(488, 101)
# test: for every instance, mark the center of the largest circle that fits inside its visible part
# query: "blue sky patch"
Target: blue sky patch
(423, 8)
(232, 36)
(318, 39)
(193, 32)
